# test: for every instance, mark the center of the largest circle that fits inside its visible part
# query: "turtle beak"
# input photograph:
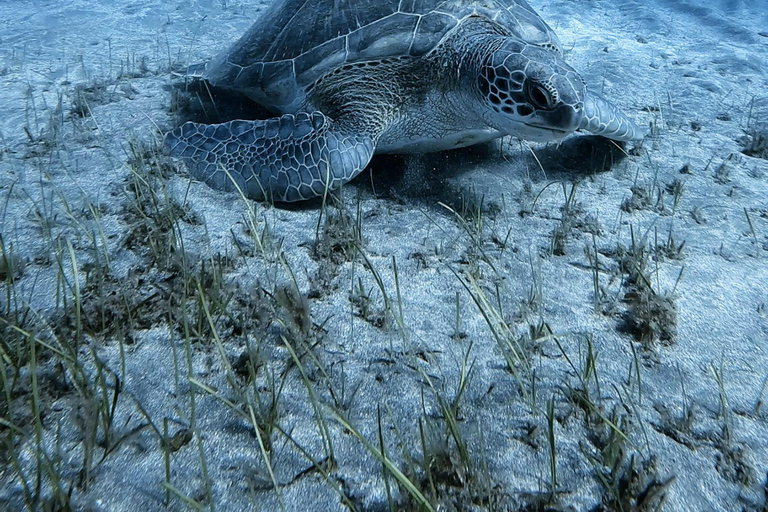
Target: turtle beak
(602, 117)
(564, 118)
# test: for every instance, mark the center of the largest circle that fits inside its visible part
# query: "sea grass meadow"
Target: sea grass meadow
(576, 325)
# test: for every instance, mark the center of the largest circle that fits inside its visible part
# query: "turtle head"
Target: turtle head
(530, 92)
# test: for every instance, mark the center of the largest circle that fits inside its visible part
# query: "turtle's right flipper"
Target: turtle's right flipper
(289, 158)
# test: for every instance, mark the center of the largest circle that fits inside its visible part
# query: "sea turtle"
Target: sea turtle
(350, 78)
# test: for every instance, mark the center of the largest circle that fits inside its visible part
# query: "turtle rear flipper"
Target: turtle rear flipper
(193, 71)
(289, 158)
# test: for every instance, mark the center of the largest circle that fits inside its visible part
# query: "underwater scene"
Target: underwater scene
(384, 255)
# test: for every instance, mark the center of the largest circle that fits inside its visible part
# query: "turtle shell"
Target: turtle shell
(296, 42)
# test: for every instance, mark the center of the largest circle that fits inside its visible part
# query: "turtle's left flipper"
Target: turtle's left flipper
(289, 158)
(601, 117)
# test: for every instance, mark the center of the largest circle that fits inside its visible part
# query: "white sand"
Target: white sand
(700, 74)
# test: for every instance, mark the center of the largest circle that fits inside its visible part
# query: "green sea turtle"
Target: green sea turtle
(350, 78)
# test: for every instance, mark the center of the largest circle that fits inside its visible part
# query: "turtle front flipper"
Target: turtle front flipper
(289, 158)
(601, 117)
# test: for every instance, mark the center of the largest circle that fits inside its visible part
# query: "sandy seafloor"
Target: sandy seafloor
(696, 71)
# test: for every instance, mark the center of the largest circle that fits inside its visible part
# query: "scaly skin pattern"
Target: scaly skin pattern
(602, 117)
(285, 159)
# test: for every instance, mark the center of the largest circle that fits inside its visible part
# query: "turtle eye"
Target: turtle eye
(539, 96)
